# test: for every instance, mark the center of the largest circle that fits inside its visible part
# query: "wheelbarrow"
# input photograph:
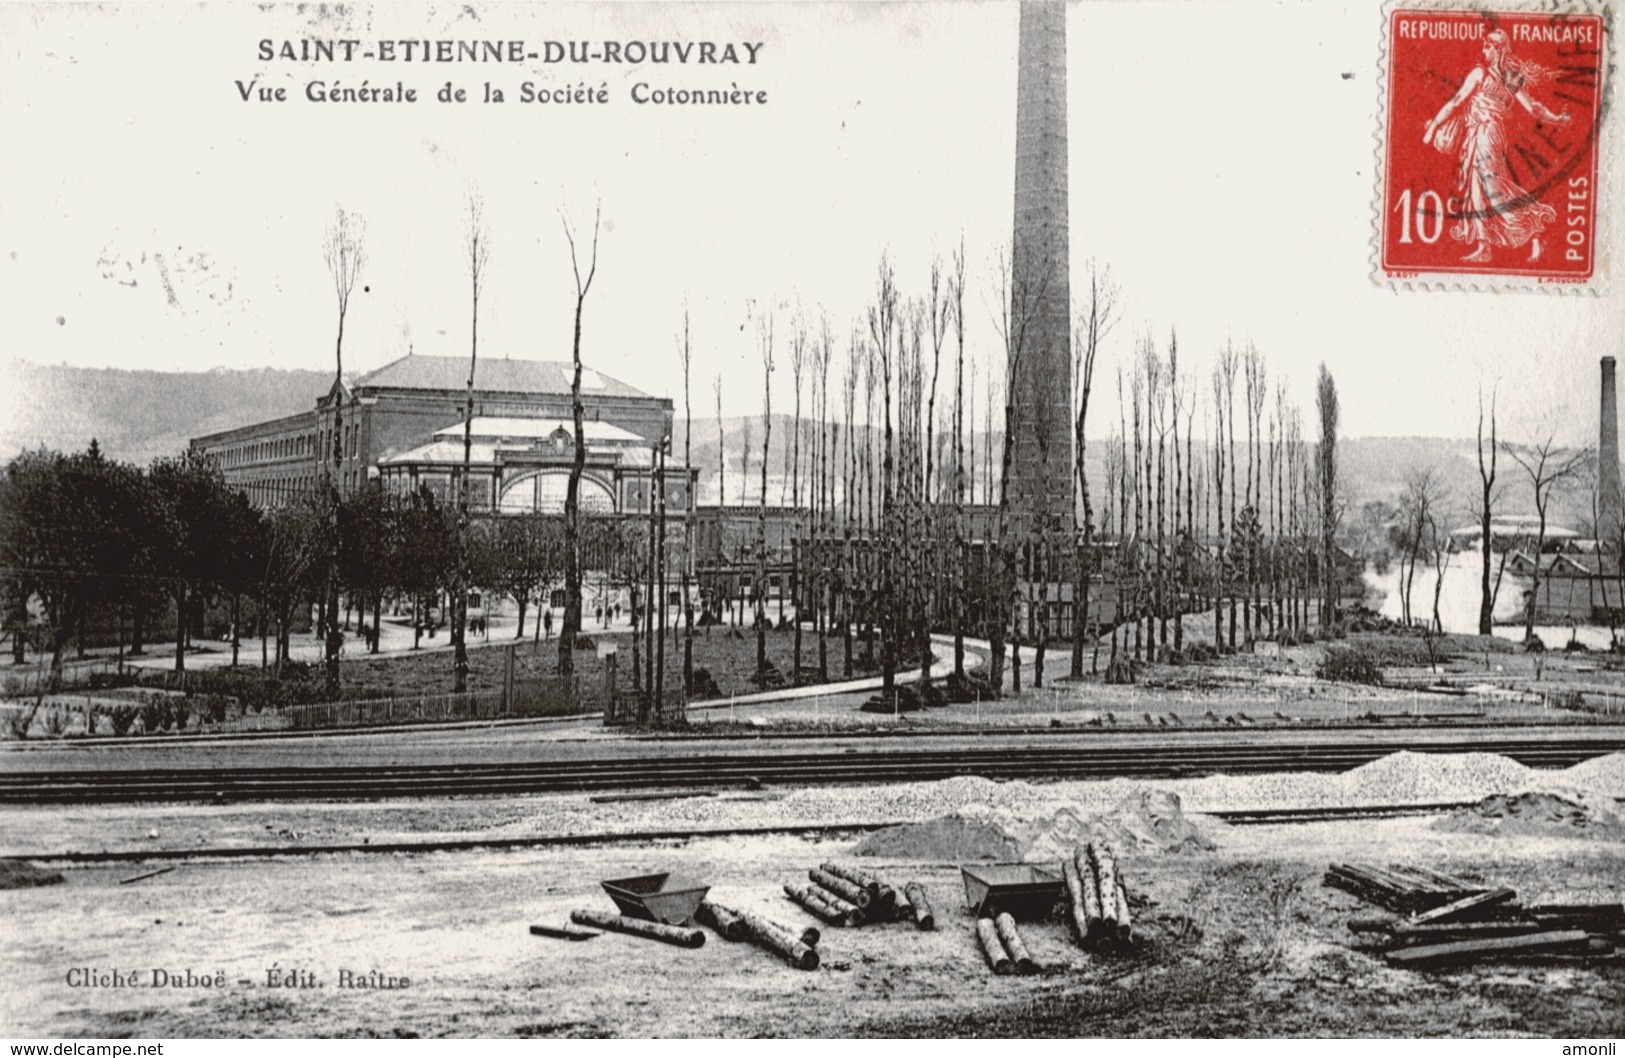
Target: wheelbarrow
(669, 898)
(1023, 890)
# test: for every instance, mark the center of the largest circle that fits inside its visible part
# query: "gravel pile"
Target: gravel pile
(1601, 775)
(1541, 813)
(1026, 809)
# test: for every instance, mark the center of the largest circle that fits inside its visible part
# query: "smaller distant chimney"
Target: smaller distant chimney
(1610, 500)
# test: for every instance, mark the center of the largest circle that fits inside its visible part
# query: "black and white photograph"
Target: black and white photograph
(811, 520)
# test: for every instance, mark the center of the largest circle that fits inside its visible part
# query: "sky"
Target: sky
(1221, 158)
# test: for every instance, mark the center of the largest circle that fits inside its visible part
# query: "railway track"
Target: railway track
(746, 767)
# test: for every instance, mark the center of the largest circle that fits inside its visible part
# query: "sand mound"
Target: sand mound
(951, 838)
(1146, 821)
(20, 874)
(1551, 812)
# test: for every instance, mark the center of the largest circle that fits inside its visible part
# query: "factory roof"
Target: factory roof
(490, 375)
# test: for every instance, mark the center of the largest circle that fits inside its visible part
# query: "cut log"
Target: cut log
(1076, 912)
(901, 909)
(724, 920)
(1105, 865)
(993, 947)
(824, 905)
(1468, 907)
(1373, 923)
(778, 939)
(564, 933)
(682, 936)
(855, 895)
(1125, 917)
(1439, 932)
(1005, 926)
(1594, 918)
(1094, 918)
(856, 875)
(923, 916)
(1446, 881)
(144, 877)
(1431, 956)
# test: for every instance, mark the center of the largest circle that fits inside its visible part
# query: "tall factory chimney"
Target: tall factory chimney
(1610, 500)
(1039, 340)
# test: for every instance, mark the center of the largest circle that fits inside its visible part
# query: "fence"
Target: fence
(526, 698)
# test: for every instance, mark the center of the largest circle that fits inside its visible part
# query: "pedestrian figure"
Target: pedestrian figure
(547, 623)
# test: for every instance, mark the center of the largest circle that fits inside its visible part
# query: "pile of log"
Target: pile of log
(799, 949)
(1401, 888)
(850, 896)
(1097, 900)
(1487, 924)
(1003, 946)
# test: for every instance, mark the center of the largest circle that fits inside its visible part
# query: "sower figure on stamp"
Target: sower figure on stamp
(1491, 208)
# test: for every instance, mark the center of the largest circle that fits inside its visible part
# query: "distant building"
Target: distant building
(403, 422)
(1513, 533)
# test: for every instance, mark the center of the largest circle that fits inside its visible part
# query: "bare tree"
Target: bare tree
(572, 492)
(1224, 381)
(1326, 404)
(722, 447)
(956, 301)
(477, 246)
(800, 352)
(685, 352)
(345, 250)
(1486, 478)
(1549, 467)
(764, 338)
(1417, 529)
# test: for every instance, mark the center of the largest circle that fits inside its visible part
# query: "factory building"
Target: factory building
(403, 424)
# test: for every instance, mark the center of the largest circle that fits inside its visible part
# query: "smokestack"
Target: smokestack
(1610, 501)
(1041, 471)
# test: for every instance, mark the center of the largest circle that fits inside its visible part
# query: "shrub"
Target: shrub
(123, 717)
(1565, 699)
(1349, 664)
(212, 707)
(584, 642)
(156, 713)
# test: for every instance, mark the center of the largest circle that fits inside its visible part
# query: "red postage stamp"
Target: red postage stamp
(1491, 148)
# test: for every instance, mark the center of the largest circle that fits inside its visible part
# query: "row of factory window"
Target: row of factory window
(264, 451)
(274, 492)
(304, 446)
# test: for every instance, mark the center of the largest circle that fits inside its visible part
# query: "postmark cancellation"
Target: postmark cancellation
(1492, 150)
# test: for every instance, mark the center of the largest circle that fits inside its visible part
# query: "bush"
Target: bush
(123, 717)
(583, 642)
(1350, 664)
(705, 685)
(156, 713)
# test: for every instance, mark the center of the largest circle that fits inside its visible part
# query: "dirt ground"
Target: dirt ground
(1243, 941)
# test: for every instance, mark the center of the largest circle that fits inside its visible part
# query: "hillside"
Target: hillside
(137, 415)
